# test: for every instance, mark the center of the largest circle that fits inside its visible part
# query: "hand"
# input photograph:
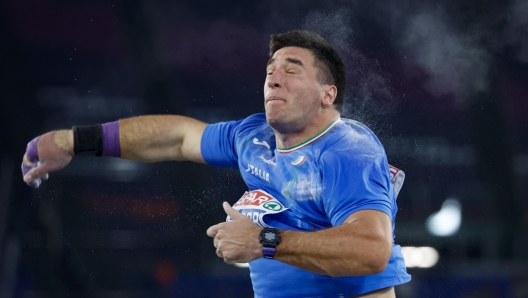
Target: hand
(46, 153)
(236, 241)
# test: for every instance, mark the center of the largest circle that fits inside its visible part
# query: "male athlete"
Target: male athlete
(318, 217)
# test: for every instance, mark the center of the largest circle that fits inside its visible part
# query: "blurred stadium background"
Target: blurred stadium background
(442, 83)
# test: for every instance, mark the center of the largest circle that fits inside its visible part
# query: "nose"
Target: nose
(274, 80)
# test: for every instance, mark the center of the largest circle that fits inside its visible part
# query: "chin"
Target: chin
(282, 124)
(271, 118)
(274, 119)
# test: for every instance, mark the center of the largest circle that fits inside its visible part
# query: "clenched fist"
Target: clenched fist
(236, 241)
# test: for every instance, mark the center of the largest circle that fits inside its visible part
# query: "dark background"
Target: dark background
(442, 83)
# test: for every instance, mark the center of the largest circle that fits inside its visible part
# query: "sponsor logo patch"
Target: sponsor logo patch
(256, 204)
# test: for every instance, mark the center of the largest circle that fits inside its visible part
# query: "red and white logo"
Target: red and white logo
(397, 177)
(253, 198)
(256, 204)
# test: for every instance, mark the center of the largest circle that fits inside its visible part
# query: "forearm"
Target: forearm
(152, 138)
(147, 138)
(340, 251)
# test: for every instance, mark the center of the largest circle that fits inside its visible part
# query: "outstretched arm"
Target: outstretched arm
(161, 138)
(144, 138)
(362, 245)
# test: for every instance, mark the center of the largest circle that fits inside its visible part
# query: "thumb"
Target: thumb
(232, 212)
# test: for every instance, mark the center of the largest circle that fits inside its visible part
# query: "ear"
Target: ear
(329, 95)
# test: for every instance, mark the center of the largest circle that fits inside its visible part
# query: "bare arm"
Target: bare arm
(145, 138)
(161, 138)
(362, 245)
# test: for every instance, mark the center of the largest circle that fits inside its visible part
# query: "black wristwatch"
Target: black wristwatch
(269, 238)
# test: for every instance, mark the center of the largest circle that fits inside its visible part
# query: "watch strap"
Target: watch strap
(270, 238)
(269, 252)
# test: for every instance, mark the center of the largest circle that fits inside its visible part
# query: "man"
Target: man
(318, 218)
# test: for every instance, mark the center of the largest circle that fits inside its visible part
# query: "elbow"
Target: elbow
(377, 262)
(340, 273)
(368, 268)
(373, 262)
(376, 266)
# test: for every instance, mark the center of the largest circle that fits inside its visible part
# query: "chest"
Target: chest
(294, 178)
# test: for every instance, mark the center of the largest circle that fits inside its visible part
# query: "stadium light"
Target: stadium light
(445, 222)
(421, 257)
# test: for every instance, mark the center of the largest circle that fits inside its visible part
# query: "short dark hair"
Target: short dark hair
(331, 69)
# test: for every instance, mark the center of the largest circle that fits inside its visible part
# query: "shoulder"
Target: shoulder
(253, 123)
(352, 141)
(255, 120)
(236, 127)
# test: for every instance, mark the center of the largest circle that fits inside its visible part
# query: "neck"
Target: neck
(291, 138)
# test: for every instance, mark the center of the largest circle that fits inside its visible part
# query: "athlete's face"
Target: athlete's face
(292, 92)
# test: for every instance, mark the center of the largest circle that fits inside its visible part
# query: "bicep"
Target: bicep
(192, 140)
(372, 224)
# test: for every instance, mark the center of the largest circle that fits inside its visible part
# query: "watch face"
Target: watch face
(269, 236)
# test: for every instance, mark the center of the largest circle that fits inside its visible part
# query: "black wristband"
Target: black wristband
(88, 139)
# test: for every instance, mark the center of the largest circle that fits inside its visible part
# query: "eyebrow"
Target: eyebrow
(290, 60)
(295, 61)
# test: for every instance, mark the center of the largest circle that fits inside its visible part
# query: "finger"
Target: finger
(32, 151)
(26, 165)
(26, 162)
(213, 230)
(43, 177)
(219, 253)
(39, 171)
(34, 183)
(233, 213)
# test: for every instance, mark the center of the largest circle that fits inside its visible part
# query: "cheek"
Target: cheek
(266, 93)
(266, 88)
(306, 92)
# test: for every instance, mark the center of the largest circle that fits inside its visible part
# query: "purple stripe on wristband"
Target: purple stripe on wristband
(111, 144)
